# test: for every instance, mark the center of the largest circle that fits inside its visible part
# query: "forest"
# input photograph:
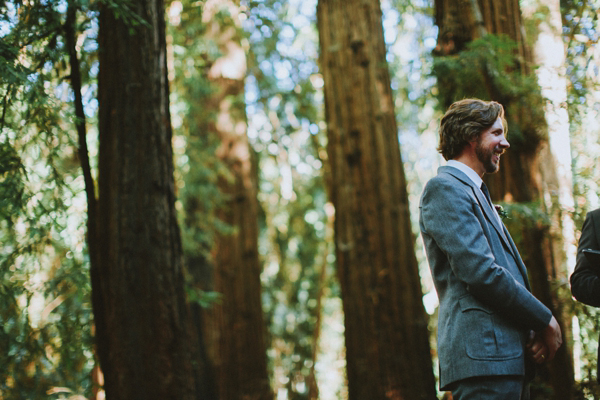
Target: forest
(219, 199)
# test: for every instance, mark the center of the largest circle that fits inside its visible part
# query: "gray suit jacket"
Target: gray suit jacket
(486, 308)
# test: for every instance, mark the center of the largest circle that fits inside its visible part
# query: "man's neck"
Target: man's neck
(470, 160)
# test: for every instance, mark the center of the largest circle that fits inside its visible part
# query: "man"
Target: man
(488, 319)
(585, 282)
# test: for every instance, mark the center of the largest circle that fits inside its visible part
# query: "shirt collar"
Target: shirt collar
(473, 176)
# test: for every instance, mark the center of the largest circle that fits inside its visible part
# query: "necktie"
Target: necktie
(486, 193)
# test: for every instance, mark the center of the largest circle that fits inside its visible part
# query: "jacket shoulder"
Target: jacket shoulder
(445, 181)
(594, 213)
(446, 190)
(593, 219)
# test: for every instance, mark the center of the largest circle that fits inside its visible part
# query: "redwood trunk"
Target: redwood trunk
(138, 291)
(241, 356)
(235, 329)
(387, 350)
(519, 179)
(242, 352)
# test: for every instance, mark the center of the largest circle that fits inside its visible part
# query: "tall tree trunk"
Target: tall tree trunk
(556, 174)
(555, 170)
(527, 167)
(138, 289)
(235, 328)
(84, 159)
(387, 348)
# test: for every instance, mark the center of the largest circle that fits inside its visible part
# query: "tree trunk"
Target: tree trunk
(83, 154)
(556, 174)
(527, 167)
(241, 354)
(138, 289)
(234, 326)
(387, 348)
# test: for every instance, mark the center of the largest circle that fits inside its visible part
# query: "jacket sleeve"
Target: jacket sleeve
(451, 216)
(585, 283)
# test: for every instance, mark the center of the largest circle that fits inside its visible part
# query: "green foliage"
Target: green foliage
(44, 285)
(198, 167)
(205, 299)
(581, 32)
(285, 105)
(283, 130)
(11, 182)
(490, 69)
(45, 312)
(124, 10)
(526, 215)
(587, 338)
(524, 220)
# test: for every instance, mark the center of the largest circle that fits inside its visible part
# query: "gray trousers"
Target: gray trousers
(501, 387)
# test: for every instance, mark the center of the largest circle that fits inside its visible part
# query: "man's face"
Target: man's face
(490, 146)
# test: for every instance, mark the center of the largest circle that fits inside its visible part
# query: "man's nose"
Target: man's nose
(504, 143)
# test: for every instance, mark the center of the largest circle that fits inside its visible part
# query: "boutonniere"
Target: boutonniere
(501, 212)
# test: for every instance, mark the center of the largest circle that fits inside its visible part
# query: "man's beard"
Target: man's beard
(486, 157)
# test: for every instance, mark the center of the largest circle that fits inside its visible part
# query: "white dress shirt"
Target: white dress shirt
(474, 177)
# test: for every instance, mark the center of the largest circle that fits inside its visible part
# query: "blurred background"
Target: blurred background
(219, 199)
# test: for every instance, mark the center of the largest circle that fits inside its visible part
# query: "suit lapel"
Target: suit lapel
(493, 220)
(518, 259)
(490, 214)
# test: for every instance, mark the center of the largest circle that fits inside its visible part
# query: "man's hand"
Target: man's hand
(552, 338)
(536, 348)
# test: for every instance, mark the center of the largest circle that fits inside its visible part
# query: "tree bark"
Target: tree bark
(526, 168)
(82, 151)
(387, 350)
(138, 289)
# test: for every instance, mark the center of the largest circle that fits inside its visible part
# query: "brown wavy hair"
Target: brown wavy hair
(464, 121)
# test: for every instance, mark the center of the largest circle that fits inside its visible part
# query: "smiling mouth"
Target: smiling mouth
(496, 158)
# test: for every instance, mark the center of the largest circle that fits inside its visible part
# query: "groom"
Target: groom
(490, 326)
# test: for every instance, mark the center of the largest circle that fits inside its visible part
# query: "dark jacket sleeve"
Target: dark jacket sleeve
(585, 283)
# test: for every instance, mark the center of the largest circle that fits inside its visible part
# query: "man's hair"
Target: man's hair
(464, 121)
